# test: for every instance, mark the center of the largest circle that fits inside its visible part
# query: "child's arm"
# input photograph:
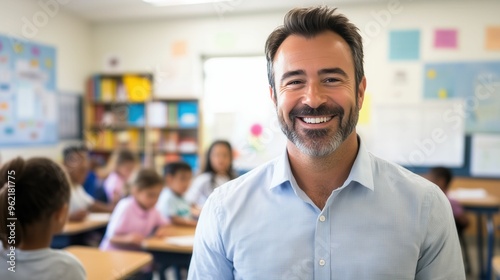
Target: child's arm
(99, 206)
(78, 216)
(127, 239)
(181, 221)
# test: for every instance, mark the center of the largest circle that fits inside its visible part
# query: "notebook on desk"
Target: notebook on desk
(184, 241)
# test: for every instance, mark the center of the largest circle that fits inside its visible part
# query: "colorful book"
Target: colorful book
(157, 114)
(172, 114)
(187, 114)
(136, 114)
(138, 88)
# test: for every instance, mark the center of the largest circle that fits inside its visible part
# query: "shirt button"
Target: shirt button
(322, 262)
(322, 218)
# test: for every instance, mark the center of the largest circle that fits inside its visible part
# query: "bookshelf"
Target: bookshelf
(115, 113)
(174, 131)
(120, 111)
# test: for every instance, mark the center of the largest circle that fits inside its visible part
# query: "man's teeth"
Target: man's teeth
(317, 120)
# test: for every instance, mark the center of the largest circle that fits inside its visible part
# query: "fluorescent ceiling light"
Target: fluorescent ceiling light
(182, 2)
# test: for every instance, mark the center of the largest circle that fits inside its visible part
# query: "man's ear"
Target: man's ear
(272, 95)
(361, 92)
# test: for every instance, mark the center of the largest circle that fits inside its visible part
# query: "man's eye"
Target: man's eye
(331, 80)
(294, 82)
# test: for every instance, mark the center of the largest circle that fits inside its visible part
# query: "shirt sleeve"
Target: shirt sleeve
(74, 269)
(209, 259)
(194, 192)
(440, 252)
(118, 221)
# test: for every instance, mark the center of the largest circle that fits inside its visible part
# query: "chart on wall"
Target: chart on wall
(476, 83)
(28, 104)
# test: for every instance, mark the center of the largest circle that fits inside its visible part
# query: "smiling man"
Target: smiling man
(327, 208)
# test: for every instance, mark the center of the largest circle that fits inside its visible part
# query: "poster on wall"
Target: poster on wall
(28, 103)
(476, 83)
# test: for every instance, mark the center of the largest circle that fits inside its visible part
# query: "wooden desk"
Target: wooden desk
(159, 244)
(487, 206)
(93, 221)
(73, 232)
(496, 267)
(109, 265)
(170, 254)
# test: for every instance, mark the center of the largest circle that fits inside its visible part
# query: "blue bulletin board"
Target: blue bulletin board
(477, 83)
(28, 103)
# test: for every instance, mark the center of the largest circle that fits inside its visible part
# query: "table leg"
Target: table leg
(490, 226)
(480, 256)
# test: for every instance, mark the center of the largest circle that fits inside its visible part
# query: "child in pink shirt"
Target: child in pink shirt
(115, 183)
(135, 217)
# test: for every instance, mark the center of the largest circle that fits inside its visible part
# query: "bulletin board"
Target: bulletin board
(28, 103)
(477, 83)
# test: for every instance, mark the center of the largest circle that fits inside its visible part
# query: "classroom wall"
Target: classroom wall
(173, 49)
(66, 32)
(148, 45)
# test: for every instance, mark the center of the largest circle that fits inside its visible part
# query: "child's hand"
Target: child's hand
(195, 211)
(135, 238)
(78, 216)
(162, 232)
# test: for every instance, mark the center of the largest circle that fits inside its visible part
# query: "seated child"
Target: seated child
(171, 203)
(442, 176)
(115, 184)
(135, 217)
(41, 192)
(76, 162)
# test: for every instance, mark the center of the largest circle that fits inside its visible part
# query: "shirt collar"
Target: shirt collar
(361, 170)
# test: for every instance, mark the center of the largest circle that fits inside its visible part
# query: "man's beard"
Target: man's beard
(317, 142)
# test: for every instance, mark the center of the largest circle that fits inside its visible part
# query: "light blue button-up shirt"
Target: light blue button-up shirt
(383, 223)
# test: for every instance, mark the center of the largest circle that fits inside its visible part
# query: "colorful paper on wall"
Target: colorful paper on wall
(492, 38)
(404, 45)
(179, 48)
(365, 113)
(445, 38)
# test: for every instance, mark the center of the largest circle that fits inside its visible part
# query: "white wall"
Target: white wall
(71, 38)
(146, 46)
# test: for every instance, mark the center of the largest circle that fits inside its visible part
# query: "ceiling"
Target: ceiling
(121, 10)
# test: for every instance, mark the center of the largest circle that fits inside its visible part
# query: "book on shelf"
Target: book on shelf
(131, 138)
(169, 142)
(138, 88)
(108, 90)
(187, 114)
(126, 88)
(187, 145)
(171, 114)
(136, 114)
(157, 114)
(192, 160)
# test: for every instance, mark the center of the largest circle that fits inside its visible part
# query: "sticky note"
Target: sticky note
(404, 45)
(445, 38)
(365, 112)
(492, 38)
(179, 48)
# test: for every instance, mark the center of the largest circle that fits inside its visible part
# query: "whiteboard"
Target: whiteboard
(426, 133)
(485, 155)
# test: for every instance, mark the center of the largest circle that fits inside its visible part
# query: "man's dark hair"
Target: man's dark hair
(309, 22)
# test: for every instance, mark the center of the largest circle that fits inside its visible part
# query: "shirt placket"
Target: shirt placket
(322, 254)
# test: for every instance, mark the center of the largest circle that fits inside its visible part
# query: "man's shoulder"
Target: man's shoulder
(259, 177)
(394, 174)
